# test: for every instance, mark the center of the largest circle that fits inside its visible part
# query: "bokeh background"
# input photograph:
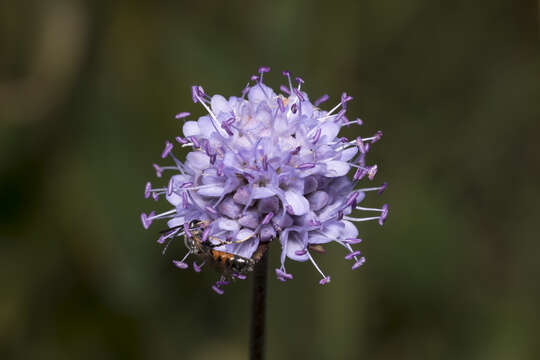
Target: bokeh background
(88, 93)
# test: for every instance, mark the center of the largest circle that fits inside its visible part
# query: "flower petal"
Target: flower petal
(191, 128)
(262, 192)
(219, 104)
(299, 204)
(335, 168)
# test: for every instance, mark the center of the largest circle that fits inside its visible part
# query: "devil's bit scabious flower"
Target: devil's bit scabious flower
(264, 167)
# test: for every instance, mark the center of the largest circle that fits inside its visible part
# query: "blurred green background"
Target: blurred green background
(88, 93)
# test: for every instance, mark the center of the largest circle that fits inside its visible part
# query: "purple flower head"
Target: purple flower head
(265, 167)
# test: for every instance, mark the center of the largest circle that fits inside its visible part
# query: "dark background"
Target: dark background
(88, 93)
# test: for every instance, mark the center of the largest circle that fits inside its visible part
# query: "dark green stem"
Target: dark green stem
(258, 314)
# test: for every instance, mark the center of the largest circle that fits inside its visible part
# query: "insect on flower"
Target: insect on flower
(265, 167)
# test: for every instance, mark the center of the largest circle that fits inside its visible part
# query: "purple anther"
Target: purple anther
(181, 140)
(267, 218)
(351, 255)
(241, 276)
(325, 280)
(296, 151)
(217, 290)
(280, 104)
(359, 121)
(340, 215)
(359, 174)
(226, 126)
(382, 188)
(180, 264)
(220, 170)
(194, 95)
(170, 187)
(359, 263)
(146, 219)
(196, 143)
(299, 94)
(167, 150)
(353, 241)
(205, 234)
(351, 198)
(159, 170)
(377, 136)
(284, 89)
(366, 147)
(231, 121)
(155, 196)
(200, 91)
(344, 139)
(206, 147)
(184, 200)
(264, 69)
(283, 274)
(187, 231)
(294, 108)
(301, 252)
(182, 115)
(289, 209)
(305, 166)
(196, 267)
(340, 115)
(320, 100)
(222, 283)
(245, 90)
(360, 145)
(317, 135)
(286, 73)
(265, 163)
(281, 279)
(372, 171)
(213, 158)
(299, 80)
(161, 239)
(147, 190)
(211, 210)
(186, 184)
(313, 222)
(344, 99)
(384, 214)
(254, 78)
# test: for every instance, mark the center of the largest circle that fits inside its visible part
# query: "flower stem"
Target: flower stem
(258, 314)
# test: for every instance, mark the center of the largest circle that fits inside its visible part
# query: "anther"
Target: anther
(217, 290)
(182, 115)
(147, 190)
(167, 150)
(351, 255)
(180, 264)
(284, 89)
(321, 100)
(159, 170)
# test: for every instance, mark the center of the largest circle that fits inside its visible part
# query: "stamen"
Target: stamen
(181, 140)
(285, 90)
(359, 263)
(321, 100)
(167, 150)
(351, 255)
(305, 166)
(147, 219)
(182, 115)
(325, 278)
(147, 190)
(352, 241)
(159, 170)
(196, 267)
(282, 274)
(217, 290)
(267, 218)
